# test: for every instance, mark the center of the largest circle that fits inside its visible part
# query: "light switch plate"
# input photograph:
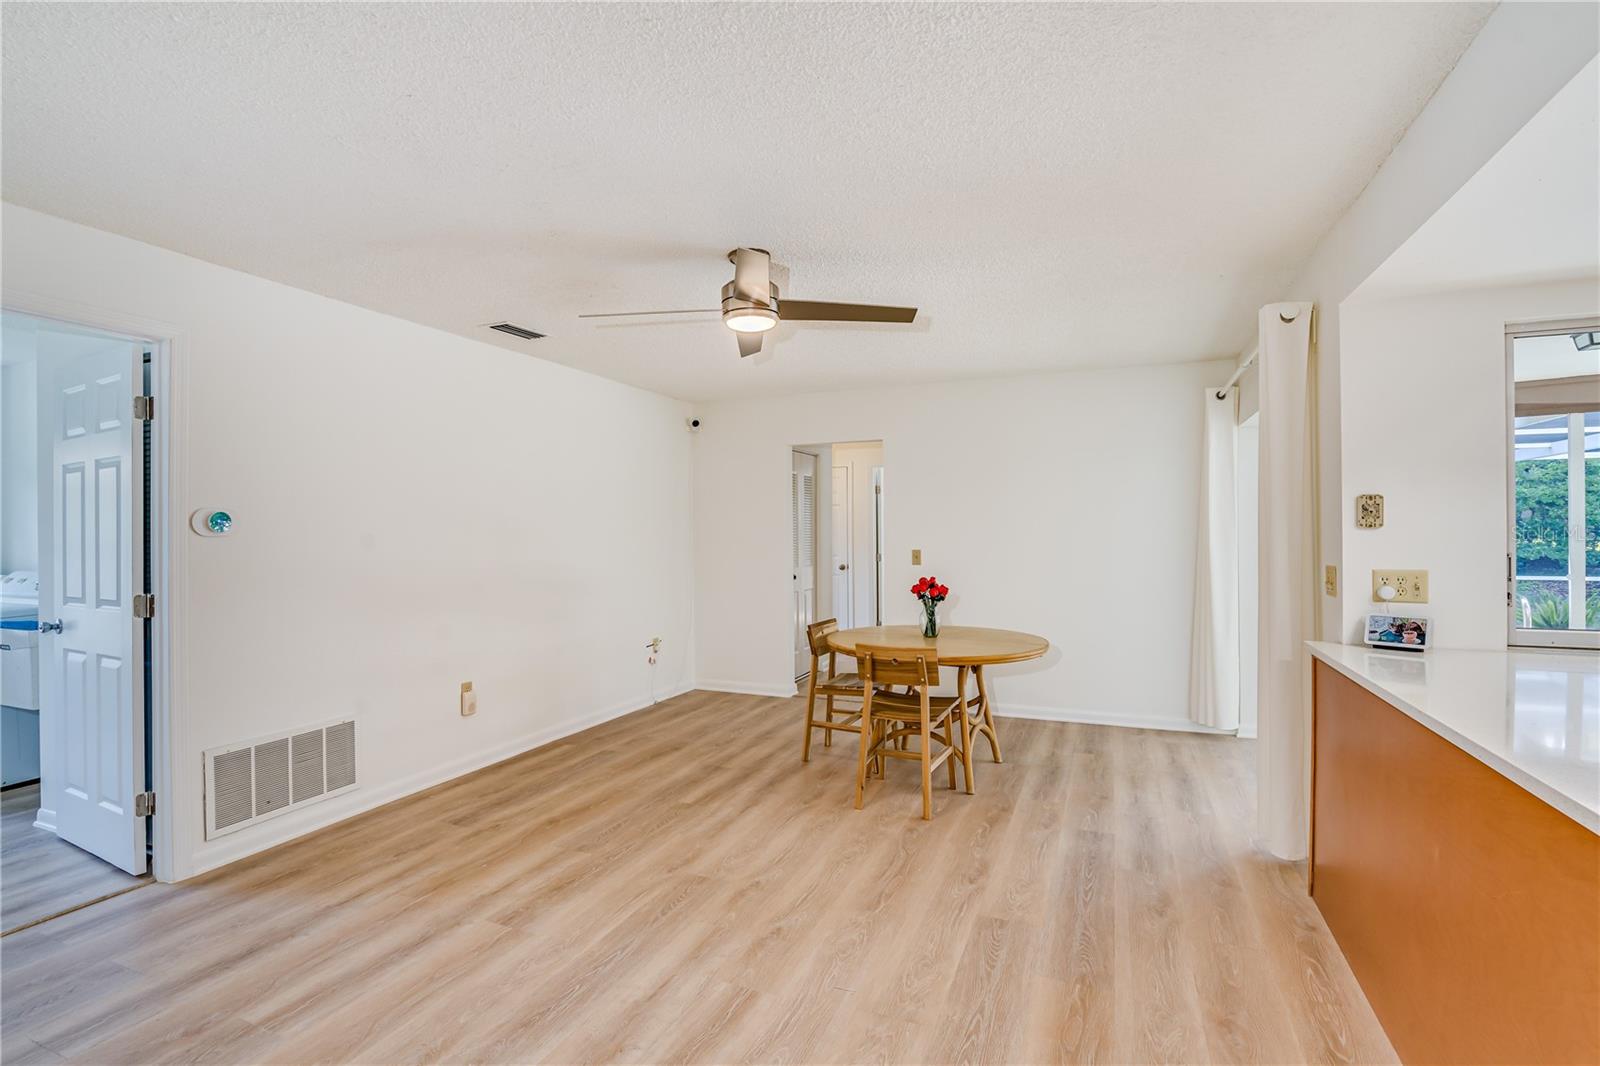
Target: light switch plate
(1410, 586)
(916, 556)
(1330, 580)
(469, 700)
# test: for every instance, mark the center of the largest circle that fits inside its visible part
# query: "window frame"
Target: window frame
(1516, 637)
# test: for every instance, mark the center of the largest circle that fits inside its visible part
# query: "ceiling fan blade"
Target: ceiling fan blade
(752, 275)
(749, 344)
(685, 311)
(817, 311)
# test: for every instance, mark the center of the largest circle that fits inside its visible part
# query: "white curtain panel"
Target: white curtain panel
(1214, 645)
(1284, 672)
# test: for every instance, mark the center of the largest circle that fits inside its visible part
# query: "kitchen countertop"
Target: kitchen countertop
(1533, 716)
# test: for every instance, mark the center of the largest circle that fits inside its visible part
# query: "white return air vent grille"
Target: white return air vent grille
(248, 782)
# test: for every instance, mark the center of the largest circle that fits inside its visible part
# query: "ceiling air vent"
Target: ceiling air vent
(517, 331)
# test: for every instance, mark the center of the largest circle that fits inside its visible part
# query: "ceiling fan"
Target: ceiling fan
(751, 304)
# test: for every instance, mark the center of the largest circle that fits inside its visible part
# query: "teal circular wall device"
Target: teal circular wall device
(212, 522)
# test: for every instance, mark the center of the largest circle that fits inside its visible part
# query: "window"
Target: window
(1554, 562)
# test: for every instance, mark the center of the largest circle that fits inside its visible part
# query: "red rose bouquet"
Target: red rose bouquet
(931, 593)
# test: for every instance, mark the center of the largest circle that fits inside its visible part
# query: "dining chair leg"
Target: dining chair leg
(988, 715)
(927, 771)
(866, 740)
(811, 709)
(827, 734)
(950, 760)
(966, 727)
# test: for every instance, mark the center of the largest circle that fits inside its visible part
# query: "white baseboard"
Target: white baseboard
(1043, 714)
(45, 819)
(747, 688)
(236, 847)
(1126, 721)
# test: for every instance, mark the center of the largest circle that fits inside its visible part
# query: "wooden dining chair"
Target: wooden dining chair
(834, 686)
(889, 718)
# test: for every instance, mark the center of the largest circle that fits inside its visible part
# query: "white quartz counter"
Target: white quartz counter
(1533, 716)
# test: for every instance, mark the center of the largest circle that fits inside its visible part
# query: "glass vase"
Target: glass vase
(930, 618)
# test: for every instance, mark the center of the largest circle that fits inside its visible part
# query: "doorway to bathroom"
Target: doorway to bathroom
(76, 605)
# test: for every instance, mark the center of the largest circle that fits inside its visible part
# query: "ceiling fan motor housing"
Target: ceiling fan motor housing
(749, 316)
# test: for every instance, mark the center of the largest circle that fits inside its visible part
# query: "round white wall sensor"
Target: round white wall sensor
(212, 522)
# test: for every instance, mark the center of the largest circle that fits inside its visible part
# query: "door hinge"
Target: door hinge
(144, 804)
(144, 606)
(144, 408)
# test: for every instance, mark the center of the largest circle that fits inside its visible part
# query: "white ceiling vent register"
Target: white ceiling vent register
(249, 782)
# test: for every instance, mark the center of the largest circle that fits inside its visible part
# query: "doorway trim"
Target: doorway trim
(801, 654)
(168, 348)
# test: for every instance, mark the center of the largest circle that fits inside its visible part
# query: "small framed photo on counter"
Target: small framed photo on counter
(1397, 632)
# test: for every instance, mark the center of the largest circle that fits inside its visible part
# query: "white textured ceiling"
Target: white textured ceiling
(1530, 214)
(1053, 185)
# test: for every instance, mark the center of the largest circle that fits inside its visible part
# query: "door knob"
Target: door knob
(50, 627)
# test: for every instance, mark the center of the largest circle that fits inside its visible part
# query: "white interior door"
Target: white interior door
(840, 546)
(803, 498)
(91, 669)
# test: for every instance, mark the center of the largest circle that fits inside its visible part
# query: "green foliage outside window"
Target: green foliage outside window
(1542, 517)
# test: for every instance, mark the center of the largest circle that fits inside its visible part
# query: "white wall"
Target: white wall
(1521, 58)
(415, 510)
(1424, 401)
(1062, 504)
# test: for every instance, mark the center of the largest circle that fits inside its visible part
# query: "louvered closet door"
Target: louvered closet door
(803, 528)
(91, 671)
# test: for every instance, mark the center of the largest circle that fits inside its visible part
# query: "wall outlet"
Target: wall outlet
(916, 556)
(1410, 586)
(469, 700)
(1330, 580)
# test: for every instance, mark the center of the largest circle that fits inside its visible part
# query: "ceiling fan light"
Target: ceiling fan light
(750, 319)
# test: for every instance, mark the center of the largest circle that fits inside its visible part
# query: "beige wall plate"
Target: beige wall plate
(1410, 586)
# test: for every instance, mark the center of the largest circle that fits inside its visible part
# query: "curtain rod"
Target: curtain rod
(1238, 371)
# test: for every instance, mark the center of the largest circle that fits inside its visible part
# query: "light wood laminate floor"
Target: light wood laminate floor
(41, 874)
(675, 886)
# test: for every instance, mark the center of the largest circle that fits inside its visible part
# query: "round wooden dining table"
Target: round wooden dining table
(967, 648)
